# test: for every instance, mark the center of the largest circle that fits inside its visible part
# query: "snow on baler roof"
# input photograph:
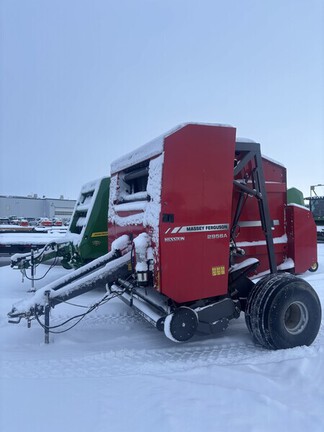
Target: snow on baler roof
(244, 140)
(150, 149)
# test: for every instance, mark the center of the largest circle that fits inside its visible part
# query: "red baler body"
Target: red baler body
(179, 189)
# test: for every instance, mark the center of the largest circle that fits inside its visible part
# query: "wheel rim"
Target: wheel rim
(181, 325)
(296, 318)
(314, 266)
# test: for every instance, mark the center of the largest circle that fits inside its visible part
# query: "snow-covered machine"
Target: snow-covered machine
(194, 216)
(86, 237)
(315, 203)
(316, 206)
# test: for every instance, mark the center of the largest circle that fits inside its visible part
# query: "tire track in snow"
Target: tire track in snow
(103, 321)
(161, 361)
(152, 355)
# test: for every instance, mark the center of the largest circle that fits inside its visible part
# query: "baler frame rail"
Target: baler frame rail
(252, 153)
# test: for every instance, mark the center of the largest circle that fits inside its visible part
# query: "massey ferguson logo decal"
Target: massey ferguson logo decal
(198, 228)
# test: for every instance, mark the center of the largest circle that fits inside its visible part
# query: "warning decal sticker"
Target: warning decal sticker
(218, 271)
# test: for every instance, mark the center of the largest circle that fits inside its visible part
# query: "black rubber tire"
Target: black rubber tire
(181, 325)
(283, 311)
(313, 268)
(250, 300)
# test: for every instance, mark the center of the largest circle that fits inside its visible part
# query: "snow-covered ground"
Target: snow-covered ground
(34, 238)
(114, 372)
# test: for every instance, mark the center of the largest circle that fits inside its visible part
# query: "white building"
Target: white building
(34, 207)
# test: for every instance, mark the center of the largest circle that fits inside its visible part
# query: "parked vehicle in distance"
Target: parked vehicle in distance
(23, 222)
(32, 221)
(13, 220)
(57, 222)
(44, 222)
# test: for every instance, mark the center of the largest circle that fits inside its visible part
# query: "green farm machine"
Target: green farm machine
(87, 235)
(316, 205)
(314, 202)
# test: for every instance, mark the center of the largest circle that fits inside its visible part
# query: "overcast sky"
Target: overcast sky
(84, 82)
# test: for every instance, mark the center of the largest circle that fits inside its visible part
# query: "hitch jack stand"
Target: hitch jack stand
(32, 271)
(47, 316)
